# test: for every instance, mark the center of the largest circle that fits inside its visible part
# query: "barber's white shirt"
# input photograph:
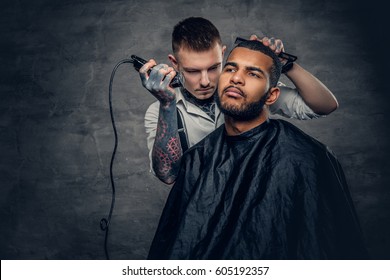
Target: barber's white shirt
(291, 105)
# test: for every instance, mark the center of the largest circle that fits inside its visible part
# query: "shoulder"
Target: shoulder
(207, 144)
(292, 140)
(290, 104)
(153, 110)
(151, 114)
(301, 156)
(153, 107)
(287, 129)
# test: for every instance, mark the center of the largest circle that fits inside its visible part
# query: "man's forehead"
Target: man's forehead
(200, 59)
(248, 57)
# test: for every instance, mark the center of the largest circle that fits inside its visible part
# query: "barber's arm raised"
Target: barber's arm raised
(166, 153)
(313, 92)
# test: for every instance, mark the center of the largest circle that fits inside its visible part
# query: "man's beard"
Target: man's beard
(246, 112)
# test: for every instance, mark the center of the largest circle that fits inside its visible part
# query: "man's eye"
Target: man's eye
(192, 71)
(229, 70)
(253, 75)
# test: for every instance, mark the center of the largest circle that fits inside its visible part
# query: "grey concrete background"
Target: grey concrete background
(56, 137)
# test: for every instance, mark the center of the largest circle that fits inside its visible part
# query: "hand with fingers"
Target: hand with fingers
(277, 46)
(274, 44)
(156, 79)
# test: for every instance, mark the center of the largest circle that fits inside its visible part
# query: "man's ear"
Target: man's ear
(223, 50)
(174, 62)
(272, 96)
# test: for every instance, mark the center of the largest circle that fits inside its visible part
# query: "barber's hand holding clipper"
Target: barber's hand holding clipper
(166, 152)
(156, 79)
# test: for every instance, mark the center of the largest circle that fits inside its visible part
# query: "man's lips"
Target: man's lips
(233, 92)
(205, 89)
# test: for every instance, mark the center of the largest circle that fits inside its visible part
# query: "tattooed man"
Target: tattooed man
(198, 55)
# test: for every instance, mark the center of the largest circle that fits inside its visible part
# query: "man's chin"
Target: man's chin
(242, 113)
(204, 94)
(230, 104)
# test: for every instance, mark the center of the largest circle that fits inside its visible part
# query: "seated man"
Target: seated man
(183, 116)
(257, 188)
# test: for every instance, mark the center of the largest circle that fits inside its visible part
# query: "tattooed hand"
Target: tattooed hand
(157, 81)
(274, 44)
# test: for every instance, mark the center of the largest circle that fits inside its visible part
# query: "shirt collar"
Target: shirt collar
(192, 108)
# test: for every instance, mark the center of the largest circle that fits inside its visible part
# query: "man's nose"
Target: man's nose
(204, 81)
(237, 78)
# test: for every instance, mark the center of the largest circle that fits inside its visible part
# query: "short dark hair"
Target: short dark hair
(276, 67)
(195, 33)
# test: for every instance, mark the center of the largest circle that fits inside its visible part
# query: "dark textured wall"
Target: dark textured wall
(56, 136)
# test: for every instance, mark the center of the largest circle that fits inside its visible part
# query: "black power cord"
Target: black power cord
(105, 223)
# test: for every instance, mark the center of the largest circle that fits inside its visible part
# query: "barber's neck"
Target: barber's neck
(235, 127)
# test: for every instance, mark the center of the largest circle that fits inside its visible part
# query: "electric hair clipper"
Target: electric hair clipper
(138, 62)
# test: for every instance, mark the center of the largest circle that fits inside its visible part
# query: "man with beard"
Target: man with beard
(257, 188)
(183, 116)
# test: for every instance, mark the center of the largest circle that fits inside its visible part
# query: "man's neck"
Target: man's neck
(235, 127)
(206, 105)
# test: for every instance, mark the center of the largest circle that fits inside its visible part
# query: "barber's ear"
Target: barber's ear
(272, 96)
(174, 62)
(223, 50)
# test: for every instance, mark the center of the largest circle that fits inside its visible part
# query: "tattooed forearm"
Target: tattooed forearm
(174, 149)
(167, 150)
(163, 161)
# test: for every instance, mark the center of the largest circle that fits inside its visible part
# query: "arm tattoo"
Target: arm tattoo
(174, 148)
(164, 161)
(167, 150)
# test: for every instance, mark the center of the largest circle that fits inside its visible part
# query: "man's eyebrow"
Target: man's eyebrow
(252, 68)
(230, 64)
(216, 64)
(248, 68)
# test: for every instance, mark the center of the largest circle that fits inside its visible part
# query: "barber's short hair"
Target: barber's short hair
(276, 67)
(195, 33)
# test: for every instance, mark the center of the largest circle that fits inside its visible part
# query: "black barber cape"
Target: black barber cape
(270, 193)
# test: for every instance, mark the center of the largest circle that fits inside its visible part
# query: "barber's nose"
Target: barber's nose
(205, 81)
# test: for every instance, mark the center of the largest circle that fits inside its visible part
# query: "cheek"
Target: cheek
(223, 78)
(190, 81)
(214, 77)
(256, 91)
